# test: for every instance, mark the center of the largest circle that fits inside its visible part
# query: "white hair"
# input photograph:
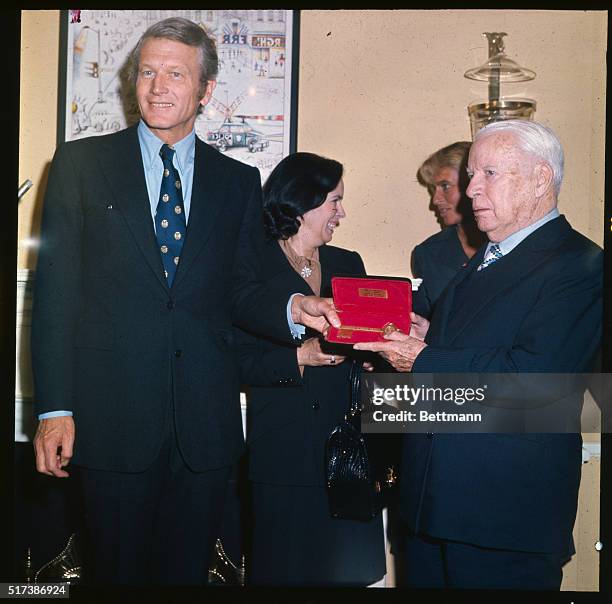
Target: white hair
(535, 139)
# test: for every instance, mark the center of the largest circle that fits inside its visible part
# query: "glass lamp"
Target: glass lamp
(497, 69)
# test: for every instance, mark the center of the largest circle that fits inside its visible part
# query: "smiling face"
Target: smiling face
(503, 186)
(168, 88)
(317, 226)
(445, 195)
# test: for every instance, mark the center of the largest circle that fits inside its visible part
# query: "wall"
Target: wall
(380, 91)
(37, 120)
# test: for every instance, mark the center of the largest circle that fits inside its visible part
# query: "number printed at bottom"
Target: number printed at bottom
(34, 590)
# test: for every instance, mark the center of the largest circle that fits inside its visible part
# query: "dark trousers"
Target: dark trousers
(434, 563)
(154, 527)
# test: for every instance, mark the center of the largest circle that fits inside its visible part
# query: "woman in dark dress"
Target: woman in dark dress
(439, 257)
(298, 394)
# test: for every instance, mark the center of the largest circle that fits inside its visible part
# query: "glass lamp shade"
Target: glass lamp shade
(501, 68)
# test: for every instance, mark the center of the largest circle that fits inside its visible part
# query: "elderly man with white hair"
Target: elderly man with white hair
(497, 510)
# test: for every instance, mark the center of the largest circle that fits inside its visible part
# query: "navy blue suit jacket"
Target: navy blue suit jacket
(111, 341)
(538, 309)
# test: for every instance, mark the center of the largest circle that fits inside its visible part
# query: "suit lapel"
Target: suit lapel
(510, 270)
(332, 265)
(457, 256)
(121, 163)
(276, 266)
(207, 201)
(327, 270)
(442, 311)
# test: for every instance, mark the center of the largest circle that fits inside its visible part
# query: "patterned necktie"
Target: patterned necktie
(170, 225)
(493, 255)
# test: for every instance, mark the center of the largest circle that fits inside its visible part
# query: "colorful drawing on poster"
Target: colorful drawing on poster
(248, 117)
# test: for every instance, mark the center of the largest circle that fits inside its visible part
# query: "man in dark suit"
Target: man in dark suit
(149, 251)
(497, 510)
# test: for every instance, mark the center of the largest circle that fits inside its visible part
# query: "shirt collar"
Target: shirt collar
(509, 243)
(151, 144)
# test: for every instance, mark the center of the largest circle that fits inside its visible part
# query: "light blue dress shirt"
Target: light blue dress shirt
(154, 167)
(510, 242)
(297, 330)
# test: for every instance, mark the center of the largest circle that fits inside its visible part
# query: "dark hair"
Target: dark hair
(187, 32)
(298, 184)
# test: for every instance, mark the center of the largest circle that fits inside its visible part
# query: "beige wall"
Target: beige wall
(381, 90)
(37, 120)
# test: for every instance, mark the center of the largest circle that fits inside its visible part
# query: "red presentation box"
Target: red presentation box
(369, 308)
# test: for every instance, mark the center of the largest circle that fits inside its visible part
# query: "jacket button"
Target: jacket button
(315, 406)
(430, 435)
(178, 353)
(170, 305)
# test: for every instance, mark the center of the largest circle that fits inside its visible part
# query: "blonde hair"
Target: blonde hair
(452, 156)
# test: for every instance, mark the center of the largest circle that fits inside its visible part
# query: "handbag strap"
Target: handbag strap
(355, 385)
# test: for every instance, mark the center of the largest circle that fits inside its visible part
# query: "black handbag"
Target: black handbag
(355, 483)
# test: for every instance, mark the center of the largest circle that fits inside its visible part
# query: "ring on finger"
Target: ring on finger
(332, 360)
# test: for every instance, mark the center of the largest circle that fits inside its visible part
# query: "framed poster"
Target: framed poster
(252, 115)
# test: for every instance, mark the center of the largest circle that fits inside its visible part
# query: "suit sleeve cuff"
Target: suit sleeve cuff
(284, 368)
(435, 359)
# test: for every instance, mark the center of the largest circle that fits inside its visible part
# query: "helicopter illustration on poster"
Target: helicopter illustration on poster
(231, 133)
